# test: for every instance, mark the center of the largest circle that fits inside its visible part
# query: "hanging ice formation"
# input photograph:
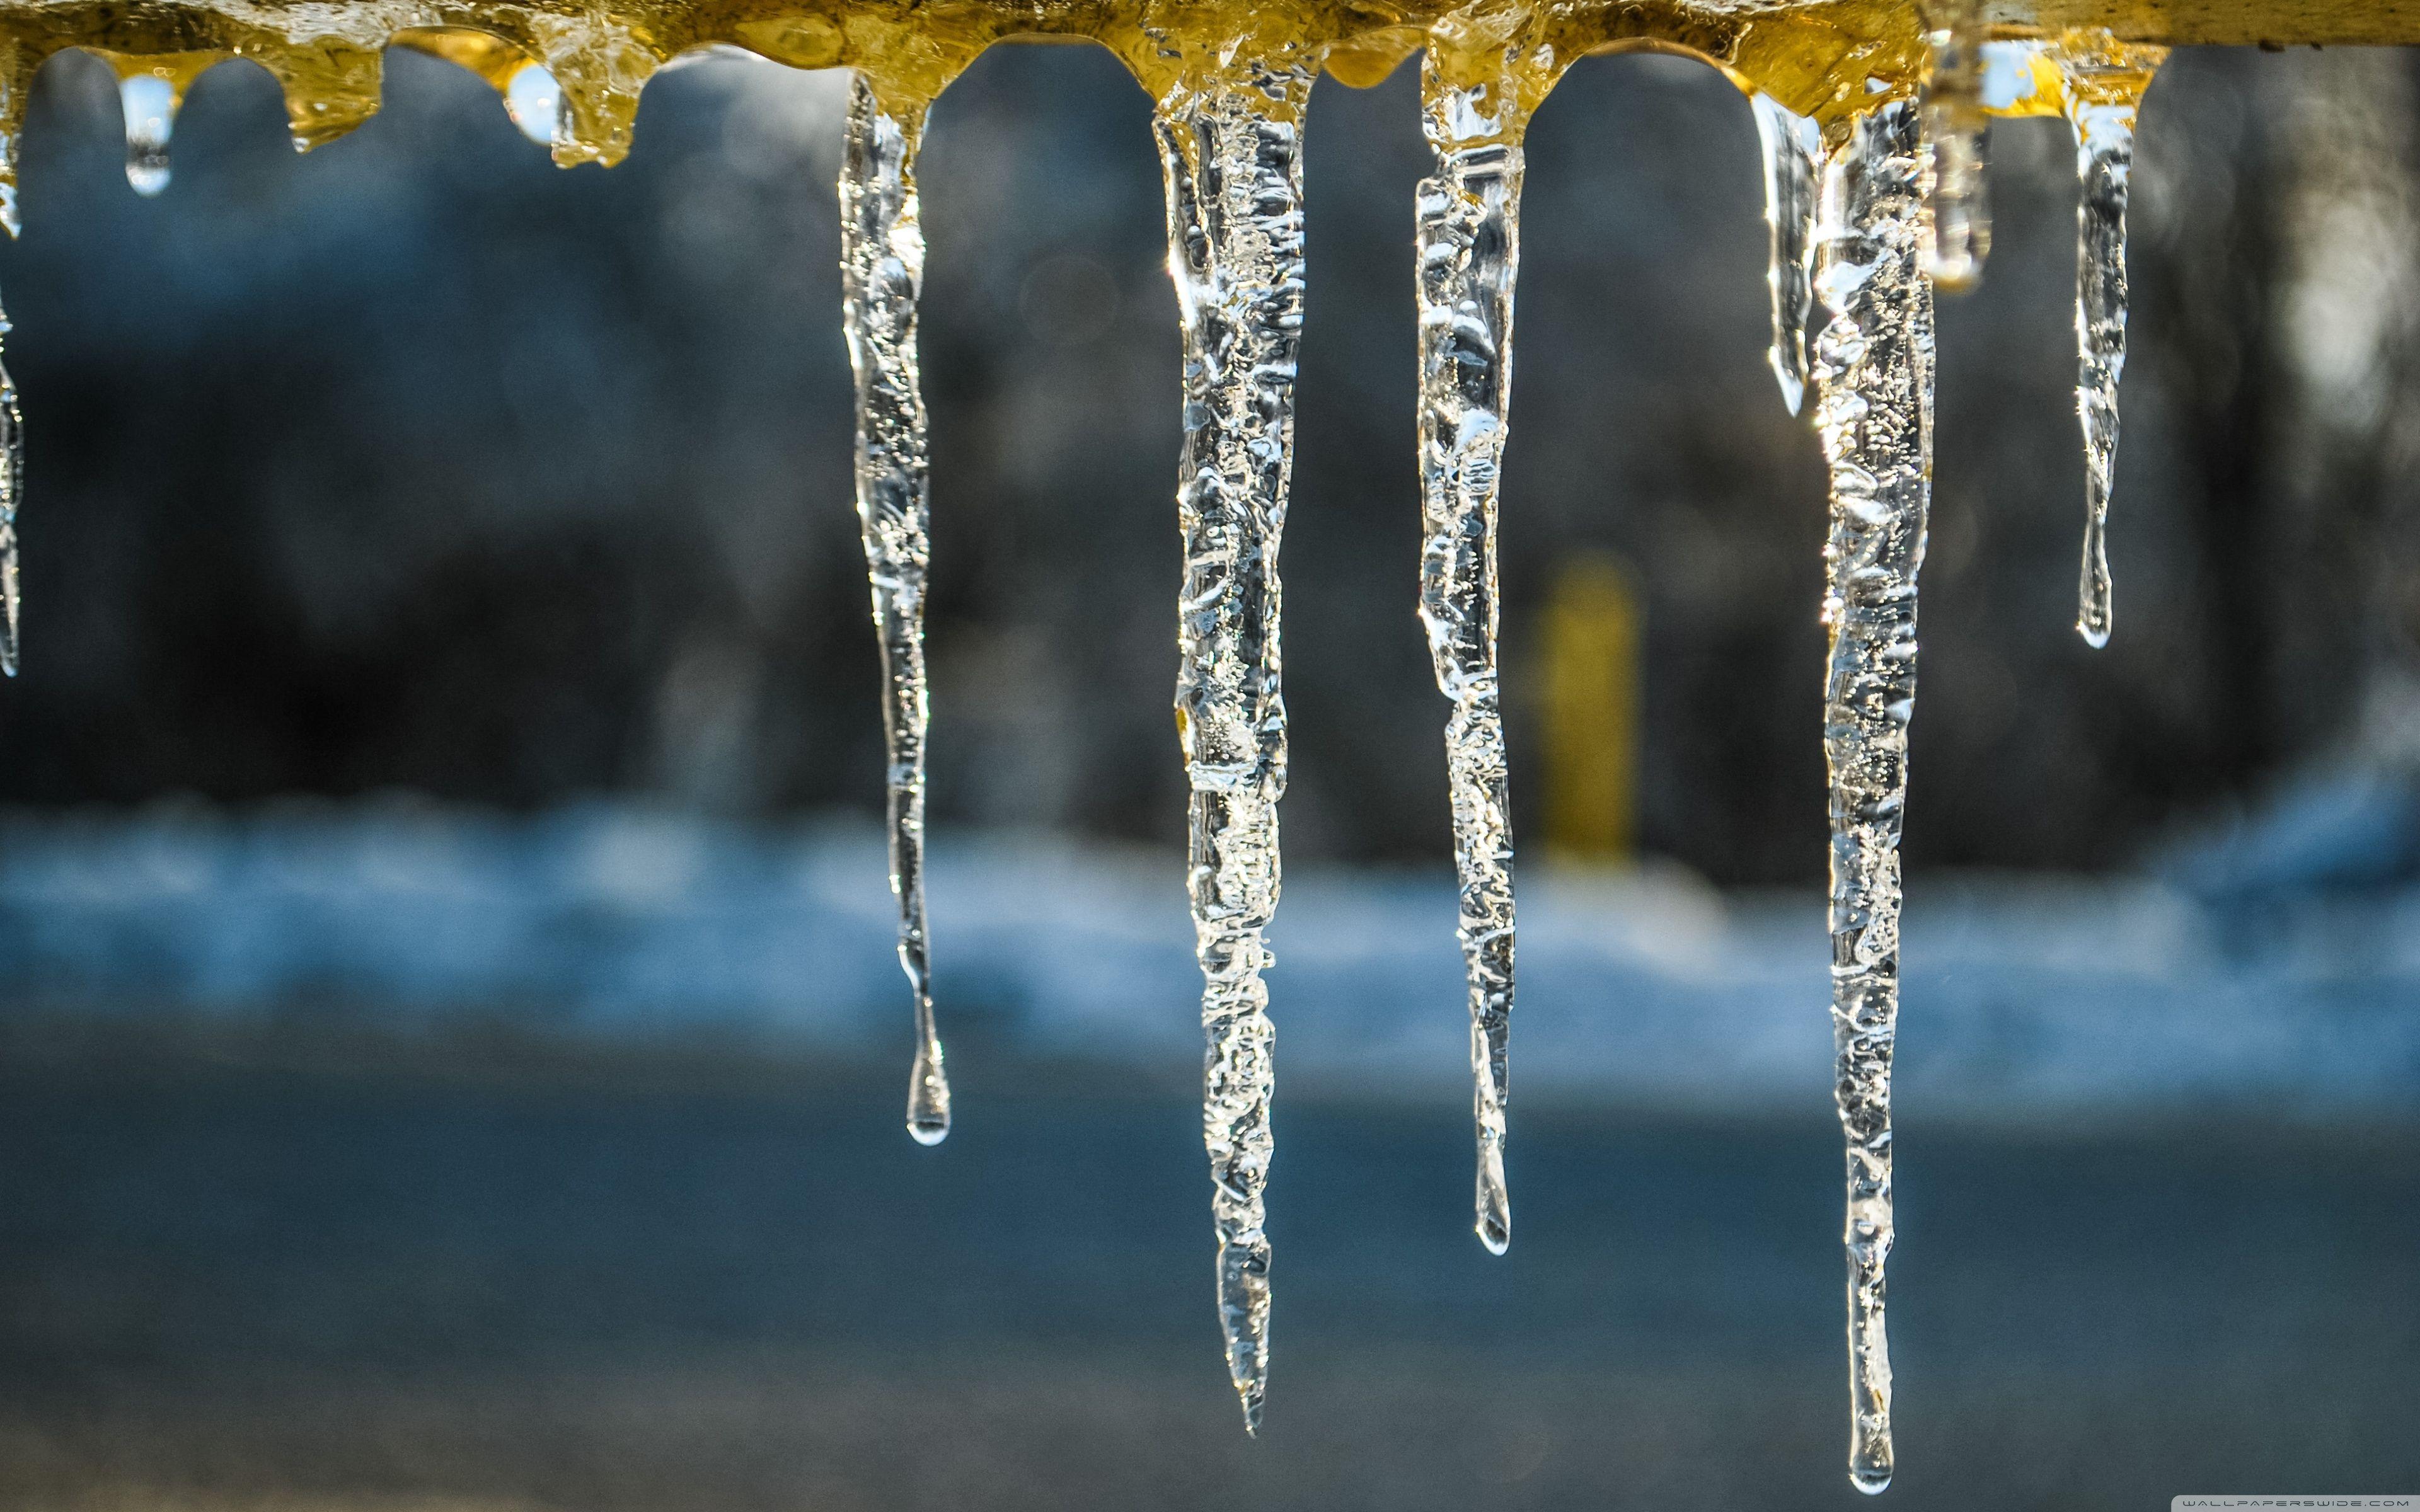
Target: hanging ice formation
(1900, 210)
(883, 275)
(1475, 108)
(2101, 85)
(149, 101)
(1229, 135)
(1792, 147)
(1954, 122)
(12, 490)
(1873, 378)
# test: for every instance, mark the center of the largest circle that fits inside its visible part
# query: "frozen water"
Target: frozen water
(1954, 124)
(1230, 137)
(1793, 146)
(2101, 95)
(882, 276)
(1873, 367)
(1468, 256)
(12, 492)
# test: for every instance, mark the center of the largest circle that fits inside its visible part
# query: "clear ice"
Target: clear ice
(12, 489)
(1229, 135)
(149, 102)
(1873, 367)
(1793, 148)
(2102, 89)
(883, 275)
(1467, 254)
(1953, 124)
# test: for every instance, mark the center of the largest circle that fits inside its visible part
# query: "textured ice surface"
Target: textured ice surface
(1874, 368)
(1230, 140)
(13, 492)
(882, 276)
(1793, 150)
(1467, 254)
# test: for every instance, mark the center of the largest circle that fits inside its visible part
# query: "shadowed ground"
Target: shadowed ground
(456, 1281)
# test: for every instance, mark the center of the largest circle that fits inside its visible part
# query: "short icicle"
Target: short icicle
(1793, 149)
(2103, 84)
(1229, 135)
(149, 102)
(1467, 256)
(883, 275)
(1873, 367)
(1954, 123)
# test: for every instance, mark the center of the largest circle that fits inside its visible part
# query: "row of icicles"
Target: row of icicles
(1864, 224)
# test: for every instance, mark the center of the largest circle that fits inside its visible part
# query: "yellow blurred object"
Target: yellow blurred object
(1592, 653)
(1825, 59)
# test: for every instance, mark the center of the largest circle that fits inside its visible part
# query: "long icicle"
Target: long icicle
(1873, 369)
(1468, 255)
(1793, 146)
(12, 492)
(2103, 84)
(1230, 140)
(882, 275)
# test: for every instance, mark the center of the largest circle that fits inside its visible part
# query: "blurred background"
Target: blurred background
(452, 1047)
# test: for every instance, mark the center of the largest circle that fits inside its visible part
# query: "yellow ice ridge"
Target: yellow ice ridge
(1828, 59)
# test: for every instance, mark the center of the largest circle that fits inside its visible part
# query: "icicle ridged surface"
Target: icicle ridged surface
(1468, 256)
(1874, 366)
(883, 275)
(1793, 149)
(13, 492)
(1231, 147)
(1954, 124)
(2104, 88)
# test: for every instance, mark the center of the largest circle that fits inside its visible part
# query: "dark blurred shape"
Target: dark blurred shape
(419, 463)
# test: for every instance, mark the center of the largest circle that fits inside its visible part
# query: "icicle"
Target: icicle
(2103, 85)
(534, 102)
(1467, 256)
(331, 87)
(149, 102)
(1793, 146)
(1230, 146)
(1954, 124)
(12, 490)
(601, 64)
(882, 275)
(1873, 374)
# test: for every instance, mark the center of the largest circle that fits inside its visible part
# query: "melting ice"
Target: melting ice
(1874, 368)
(882, 276)
(1230, 150)
(1468, 256)
(1792, 147)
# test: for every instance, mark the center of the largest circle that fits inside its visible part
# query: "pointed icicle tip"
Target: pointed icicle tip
(1496, 1232)
(928, 1098)
(150, 104)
